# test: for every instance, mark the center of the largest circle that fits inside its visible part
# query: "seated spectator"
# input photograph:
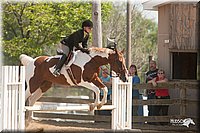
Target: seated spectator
(106, 79)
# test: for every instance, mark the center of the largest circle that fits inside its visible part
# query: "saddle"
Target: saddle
(70, 59)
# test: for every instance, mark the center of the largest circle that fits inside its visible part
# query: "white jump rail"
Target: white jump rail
(66, 108)
(12, 98)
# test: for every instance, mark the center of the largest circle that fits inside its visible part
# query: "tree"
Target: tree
(36, 28)
(144, 34)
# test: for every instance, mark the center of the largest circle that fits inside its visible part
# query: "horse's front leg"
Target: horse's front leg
(97, 82)
(96, 91)
(97, 99)
(104, 99)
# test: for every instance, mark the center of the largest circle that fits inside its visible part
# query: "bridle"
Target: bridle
(115, 60)
(118, 66)
(100, 67)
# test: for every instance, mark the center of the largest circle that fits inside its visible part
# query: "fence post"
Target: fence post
(114, 102)
(129, 103)
(4, 98)
(22, 98)
(183, 102)
(1, 99)
(12, 98)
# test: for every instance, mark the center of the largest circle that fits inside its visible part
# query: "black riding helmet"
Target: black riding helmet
(87, 23)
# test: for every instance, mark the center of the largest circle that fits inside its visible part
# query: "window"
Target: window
(184, 65)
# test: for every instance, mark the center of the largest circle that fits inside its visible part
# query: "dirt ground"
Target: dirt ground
(73, 127)
(54, 126)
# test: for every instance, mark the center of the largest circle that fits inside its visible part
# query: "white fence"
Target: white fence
(13, 101)
(122, 101)
(12, 98)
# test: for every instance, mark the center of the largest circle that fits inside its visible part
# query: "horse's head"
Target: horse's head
(117, 63)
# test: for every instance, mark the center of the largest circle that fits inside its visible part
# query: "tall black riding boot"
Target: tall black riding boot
(59, 65)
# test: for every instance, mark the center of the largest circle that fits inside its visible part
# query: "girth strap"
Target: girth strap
(71, 75)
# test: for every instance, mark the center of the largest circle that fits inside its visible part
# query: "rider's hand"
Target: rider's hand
(85, 50)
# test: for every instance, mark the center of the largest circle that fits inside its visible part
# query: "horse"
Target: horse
(187, 122)
(84, 72)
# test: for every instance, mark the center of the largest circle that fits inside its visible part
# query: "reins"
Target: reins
(100, 67)
(105, 66)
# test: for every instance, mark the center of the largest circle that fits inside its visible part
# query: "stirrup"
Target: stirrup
(56, 73)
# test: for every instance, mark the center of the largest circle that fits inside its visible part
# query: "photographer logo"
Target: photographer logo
(182, 122)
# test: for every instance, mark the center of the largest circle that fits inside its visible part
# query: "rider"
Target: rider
(77, 39)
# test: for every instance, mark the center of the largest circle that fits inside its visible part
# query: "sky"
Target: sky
(153, 15)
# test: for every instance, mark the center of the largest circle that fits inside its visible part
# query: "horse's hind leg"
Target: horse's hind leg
(32, 93)
(39, 92)
(34, 97)
(45, 86)
(30, 101)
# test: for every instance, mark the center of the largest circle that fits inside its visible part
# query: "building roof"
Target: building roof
(154, 4)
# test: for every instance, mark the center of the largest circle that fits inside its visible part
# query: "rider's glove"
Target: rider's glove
(85, 50)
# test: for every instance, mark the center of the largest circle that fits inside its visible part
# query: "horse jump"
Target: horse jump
(121, 105)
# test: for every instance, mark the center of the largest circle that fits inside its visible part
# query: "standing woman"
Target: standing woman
(136, 110)
(161, 93)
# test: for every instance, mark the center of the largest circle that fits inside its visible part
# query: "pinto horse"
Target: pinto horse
(39, 77)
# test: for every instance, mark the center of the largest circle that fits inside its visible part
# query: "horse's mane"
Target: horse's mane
(101, 50)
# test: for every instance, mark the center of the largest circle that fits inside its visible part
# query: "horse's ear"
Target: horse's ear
(123, 51)
(115, 46)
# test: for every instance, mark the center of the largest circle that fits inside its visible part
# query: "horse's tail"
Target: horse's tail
(25, 59)
(20, 64)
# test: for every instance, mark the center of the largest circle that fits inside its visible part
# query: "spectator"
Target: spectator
(151, 74)
(161, 110)
(106, 79)
(135, 93)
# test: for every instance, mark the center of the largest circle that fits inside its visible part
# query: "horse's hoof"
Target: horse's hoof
(92, 106)
(27, 103)
(99, 106)
(26, 123)
(39, 130)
